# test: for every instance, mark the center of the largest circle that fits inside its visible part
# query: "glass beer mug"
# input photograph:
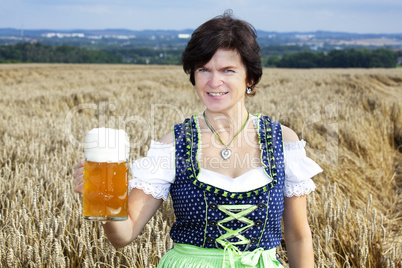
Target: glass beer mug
(106, 175)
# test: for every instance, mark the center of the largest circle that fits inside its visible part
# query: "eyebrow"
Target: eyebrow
(223, 68)
(229, 67)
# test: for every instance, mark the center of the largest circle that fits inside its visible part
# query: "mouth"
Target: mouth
(217, 94)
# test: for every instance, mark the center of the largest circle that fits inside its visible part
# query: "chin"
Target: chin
(216, 108)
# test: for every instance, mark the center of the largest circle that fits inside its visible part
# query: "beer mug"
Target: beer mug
(106, 175)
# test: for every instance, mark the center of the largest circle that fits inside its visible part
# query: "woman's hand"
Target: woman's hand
(79, 176)
(141, 208)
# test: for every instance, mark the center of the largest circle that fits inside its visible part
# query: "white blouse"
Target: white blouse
(156, 172)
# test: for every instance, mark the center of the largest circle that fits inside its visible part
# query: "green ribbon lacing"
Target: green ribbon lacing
(249, 259)
(235, 212)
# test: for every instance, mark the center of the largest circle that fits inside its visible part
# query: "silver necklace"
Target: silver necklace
(225, 153)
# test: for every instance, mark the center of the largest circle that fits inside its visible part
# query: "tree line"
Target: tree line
(350, 58)
(275, 56)
(27, 53)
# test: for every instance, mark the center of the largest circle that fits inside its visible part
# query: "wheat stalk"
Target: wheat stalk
(354, 213)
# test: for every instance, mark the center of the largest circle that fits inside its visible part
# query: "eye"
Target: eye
(229, 71)
(202, 70)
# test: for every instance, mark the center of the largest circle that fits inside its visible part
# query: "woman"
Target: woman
(232, 175)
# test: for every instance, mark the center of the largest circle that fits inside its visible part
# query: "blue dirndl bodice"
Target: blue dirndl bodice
(210, 217)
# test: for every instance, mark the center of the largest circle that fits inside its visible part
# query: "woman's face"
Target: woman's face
(221, 83)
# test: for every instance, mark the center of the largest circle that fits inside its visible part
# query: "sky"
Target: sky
(353, 16)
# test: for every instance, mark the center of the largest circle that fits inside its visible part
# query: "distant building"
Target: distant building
(63, 35)
(95, 37)
(305, 37)
(399, 62)
(184, 36)
(127, 59)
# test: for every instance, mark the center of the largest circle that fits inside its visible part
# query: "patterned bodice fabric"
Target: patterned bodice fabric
(210, 217)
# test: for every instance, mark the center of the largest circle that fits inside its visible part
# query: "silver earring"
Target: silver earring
(249, 90)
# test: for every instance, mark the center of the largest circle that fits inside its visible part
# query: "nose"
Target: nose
(215, 80)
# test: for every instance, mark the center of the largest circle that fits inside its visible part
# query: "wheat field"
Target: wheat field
(351, 120)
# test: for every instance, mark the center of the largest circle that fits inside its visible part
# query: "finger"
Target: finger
(79, 164)
(79, 185)
(78, 180)
(78, 172)
(79, 189)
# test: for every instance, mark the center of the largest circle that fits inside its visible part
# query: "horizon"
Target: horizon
(189, 29)
(346, 16)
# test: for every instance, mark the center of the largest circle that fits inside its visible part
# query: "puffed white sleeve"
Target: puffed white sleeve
(299, 169)
(156, 172)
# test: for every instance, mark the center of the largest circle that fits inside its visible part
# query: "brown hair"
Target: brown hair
(228, 33)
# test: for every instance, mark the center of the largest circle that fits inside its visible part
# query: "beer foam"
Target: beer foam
(107, 145)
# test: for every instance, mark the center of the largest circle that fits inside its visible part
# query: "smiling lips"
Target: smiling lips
(217, 94)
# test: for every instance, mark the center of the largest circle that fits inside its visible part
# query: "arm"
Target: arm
(299, 243)
(141, 208)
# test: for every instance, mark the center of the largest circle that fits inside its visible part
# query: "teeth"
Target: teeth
(216, 94)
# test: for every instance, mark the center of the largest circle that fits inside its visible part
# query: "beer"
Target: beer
(105, 191)
(106, 175)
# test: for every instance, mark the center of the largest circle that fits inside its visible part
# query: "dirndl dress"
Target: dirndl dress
(220, 223)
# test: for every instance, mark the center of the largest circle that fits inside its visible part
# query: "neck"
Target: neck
(230, 120)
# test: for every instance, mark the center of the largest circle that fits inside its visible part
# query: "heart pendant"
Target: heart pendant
(226, 153)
